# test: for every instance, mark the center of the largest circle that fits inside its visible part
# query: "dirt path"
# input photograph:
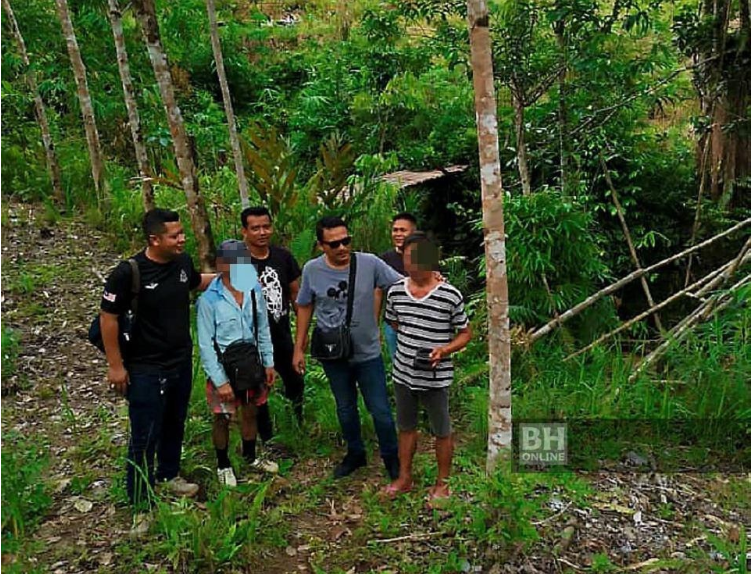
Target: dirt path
(614, 521)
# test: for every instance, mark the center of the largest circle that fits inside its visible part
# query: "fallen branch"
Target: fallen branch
(714, 278)
(548, 327)
(627, 233)
(716, 304)
(412, 537)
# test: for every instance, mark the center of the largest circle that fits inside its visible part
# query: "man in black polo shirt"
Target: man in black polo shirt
(279, 276)
(156, 374)
(402, 226)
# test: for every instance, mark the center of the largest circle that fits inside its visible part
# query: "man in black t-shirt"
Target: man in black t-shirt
(279, 275)
(155, 373)
(402, 226)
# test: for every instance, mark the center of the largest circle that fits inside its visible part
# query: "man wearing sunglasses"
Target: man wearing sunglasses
(324, 292)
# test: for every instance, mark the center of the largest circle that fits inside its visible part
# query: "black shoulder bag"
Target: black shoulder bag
(126, 321)
(242, 361)
(336, 344)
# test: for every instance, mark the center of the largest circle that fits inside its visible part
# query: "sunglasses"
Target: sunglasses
(336, 243)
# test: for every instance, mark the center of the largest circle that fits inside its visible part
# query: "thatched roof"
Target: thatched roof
(407, 179)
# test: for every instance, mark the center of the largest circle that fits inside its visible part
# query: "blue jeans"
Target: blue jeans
(344, 378)
(157, 408)
(390, 335)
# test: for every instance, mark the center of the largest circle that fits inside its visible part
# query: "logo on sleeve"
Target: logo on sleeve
(110, 297)
(183, 277)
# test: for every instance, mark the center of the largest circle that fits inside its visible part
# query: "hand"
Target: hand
(298, 362)
(437, 355)
(226, 395)
(270, 376)
(439, 276)
(118, 378)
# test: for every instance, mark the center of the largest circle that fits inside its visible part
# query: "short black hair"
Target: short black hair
(328, 223)
(154, 220)
(405, 216)
(255, 211)
(417, 237)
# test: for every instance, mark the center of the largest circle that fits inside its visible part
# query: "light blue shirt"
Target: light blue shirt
(220, 318)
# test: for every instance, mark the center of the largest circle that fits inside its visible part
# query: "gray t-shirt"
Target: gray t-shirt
(326, 288)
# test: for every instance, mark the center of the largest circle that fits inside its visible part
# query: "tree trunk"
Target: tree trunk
(722, 83)
(84, 98)
(39, 109)
(499, 340)
(521, 145)
(563, 136)
(233, 138)
(134, 121)
(199, 218)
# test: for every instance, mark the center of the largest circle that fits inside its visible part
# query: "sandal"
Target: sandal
(436, 501)
(391, 492)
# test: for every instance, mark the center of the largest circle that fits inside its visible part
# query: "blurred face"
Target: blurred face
(257, 231)
(400, 229)
(171, 242)
(222, 265)
(336, 244)
(420, 260)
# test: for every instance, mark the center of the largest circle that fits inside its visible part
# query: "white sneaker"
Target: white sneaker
(179, 486)
(264, 465)
(141, 525)
(226, 477)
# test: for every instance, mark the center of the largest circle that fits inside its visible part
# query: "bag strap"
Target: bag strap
(219, 353)
(135, 284)
(255, 317)
(351, 287)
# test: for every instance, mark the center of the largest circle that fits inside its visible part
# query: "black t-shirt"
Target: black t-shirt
(161, 338)
(275, 273)
(395, 260)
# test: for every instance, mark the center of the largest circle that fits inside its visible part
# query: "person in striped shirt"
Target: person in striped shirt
(428, 316)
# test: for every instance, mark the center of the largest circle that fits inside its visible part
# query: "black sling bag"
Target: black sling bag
(241, 360)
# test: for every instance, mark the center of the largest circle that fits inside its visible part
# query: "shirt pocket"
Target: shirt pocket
(228, 329)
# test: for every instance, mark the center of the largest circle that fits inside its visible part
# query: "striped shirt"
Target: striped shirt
(425, 323)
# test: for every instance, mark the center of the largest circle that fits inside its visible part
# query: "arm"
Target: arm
(206, 279)
(294, 290)
(377, 303)
(385, 275)
(459, 342)
(206, 328)
(265, 346)
(117, 375)
(304, 315)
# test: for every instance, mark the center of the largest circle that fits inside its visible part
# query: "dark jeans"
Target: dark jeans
(157, 408)
(294, 384)
(344, 378)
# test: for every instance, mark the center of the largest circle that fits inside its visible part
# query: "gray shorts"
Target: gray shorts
(436, 402)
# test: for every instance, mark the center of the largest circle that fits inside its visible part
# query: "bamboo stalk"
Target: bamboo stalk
(578, 308)
(717, 275)
(627, 233)
(716, 304)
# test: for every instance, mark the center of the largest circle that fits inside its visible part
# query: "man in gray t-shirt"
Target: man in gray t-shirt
(324, 293)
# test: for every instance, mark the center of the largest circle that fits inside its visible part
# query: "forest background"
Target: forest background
(611, 115)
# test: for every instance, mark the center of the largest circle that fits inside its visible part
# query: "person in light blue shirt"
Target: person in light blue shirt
(226, 315)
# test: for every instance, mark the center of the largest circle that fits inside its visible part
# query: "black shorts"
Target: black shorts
(436, 402)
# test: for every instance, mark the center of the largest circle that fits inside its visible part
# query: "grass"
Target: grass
(25, 494)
